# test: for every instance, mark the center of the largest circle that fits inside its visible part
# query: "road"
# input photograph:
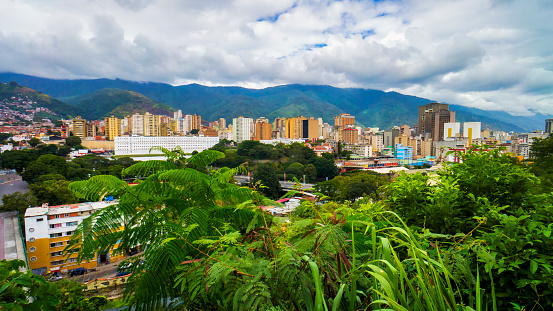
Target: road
(12, 186)
(283, 184)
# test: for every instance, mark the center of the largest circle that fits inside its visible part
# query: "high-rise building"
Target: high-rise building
(79, 127)
(263, 129)
(177, 114)
(294, 127)
(113, 127)
(350, 136)
(390, 137)
(90, 129)
(311, 129)
(548, 126)
(241, 129)
(432, 118)
(136, 124)
(151, 124)
(343, 120)
(222, 123)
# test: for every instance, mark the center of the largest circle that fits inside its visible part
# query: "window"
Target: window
(56, 263)
(69, 233)
(66, 215)
(55, 226)
(70, 260)
(56, 244)
(31, 229)
(73, 223)
(31, 239)
(54, 254)
(56, 235)
(39, 219)
(57, 216)
(33, 258)
(32, 249)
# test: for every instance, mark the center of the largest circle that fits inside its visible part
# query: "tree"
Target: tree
(294, 170)
(267, 177)
(325, 168)
(17, 201)
(45, 164)
(541, 154)
(17, 159)
(54, 192)
(72, 141)
(310, 173)
(194, 131)
(63, 151)
(73, 299)
(34, 142)
(245, 148)
(16, 287)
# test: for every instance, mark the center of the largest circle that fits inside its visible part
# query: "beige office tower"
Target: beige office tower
(350, 136)
(222, 123)
(311, 129)
(79, 127)
(263, 131)
(151, 124)
(113, 127)
(294, 127)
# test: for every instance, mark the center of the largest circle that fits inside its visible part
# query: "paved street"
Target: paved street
(9, 187)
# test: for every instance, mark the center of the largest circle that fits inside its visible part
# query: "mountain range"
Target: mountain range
(99, 97)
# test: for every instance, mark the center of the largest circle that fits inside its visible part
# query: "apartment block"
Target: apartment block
(294, 127)
(151, 124)
(241, 129)
(113, 127)
(79, 127)
(350, 136)
(48, 232)
(263, 130)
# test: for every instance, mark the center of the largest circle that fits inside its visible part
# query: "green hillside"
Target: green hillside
(61, 109)
(116, 102)
(371, 107)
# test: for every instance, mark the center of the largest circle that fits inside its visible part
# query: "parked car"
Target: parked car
(54, 278)
(78, 271)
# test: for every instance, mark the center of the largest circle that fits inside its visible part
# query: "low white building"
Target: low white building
(141, 145)
(286, 141)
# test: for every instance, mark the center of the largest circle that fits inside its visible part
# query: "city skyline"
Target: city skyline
(493, 55)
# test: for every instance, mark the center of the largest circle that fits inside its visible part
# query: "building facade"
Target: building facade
(141, 145)
(48, 232)
(79, 127)
(241, 129)
(113, 127)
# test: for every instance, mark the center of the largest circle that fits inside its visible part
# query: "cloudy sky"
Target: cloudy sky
(490, 54)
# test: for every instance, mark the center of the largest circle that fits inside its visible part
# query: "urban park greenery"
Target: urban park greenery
(472, 237)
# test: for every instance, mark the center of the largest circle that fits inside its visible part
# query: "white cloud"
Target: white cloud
(479, 53)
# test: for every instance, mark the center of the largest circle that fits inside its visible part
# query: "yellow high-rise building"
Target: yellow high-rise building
(151, 124)
(113, 127)
(294, 127)
(79, 127)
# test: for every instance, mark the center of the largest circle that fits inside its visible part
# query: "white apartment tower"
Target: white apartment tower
(241, 129)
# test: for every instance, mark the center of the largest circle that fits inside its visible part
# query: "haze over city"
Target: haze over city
(493, 55)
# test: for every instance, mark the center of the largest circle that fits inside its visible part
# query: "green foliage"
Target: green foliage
(17, 159)
(45, 164)
(18, 201)
(326, 168)
(266, 176)
(116, 102)
(34, 142)
(24, 290)
(353, 187)
(72, 141)
(54, 192)
(541, 153)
